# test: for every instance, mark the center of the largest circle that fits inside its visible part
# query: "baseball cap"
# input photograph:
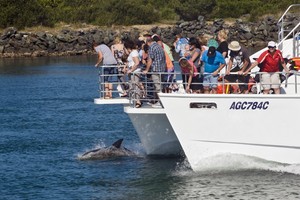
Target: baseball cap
(212, 43)
(271, 44)
(211, 51)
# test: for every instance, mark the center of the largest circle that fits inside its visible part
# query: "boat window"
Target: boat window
(208, 105)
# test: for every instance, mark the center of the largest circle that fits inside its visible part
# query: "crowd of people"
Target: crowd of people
(201, 59)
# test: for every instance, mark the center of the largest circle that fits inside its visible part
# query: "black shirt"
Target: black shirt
(223, 47)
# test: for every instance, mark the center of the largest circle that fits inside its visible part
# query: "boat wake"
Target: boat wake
(236, 162)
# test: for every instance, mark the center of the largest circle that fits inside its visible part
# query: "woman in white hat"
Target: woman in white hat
(270, 61)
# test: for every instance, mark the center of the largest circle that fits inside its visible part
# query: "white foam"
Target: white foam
(237, 162)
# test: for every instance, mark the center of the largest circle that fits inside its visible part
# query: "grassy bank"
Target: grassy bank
(49, 13)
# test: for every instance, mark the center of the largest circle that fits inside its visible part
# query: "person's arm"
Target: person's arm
(285, 67)
(218, 70)
(149, 63)
(195, 56)
(177, 46)
(224, 54)
(229, 66)
(284, 64)
(189, 82)
(251, 67)
(100, 57)
(245, 64)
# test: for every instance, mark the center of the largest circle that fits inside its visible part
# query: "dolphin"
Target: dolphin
(115, 150)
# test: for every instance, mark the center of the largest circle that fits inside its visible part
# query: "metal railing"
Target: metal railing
(294, 32)
(143, 89)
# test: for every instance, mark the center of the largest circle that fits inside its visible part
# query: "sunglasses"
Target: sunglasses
(271, 47)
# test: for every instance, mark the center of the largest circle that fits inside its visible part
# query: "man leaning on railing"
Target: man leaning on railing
(270, 61)
(156, 64)
(104, 54)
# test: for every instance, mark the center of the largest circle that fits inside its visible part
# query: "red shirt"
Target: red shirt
(270, 63)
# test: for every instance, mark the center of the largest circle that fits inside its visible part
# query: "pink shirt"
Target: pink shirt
(186, 70)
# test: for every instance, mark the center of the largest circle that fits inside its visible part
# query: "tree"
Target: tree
(191, 9)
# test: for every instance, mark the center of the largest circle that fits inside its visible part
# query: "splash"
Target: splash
(236, 162)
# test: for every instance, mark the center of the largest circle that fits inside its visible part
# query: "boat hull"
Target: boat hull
(263, 126)
(155, 131)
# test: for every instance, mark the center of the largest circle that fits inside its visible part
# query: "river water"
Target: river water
(48, 119)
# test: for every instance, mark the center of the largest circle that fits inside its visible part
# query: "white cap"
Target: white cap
(271, 44)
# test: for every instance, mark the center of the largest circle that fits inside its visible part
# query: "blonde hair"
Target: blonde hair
(223, 34)
(183, 62)
(203, 39)
(117, 40)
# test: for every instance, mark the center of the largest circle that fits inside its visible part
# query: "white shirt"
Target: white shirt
(133, 53)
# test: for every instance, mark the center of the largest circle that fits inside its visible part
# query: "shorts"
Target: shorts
(241, 79)
(107, 72)
(210, 81)
(270, 80)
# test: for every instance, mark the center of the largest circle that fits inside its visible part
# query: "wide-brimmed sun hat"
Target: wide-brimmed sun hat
(234, 46)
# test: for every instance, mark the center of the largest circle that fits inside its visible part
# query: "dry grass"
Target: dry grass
(83, 26)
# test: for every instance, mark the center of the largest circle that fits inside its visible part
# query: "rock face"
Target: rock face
(14, 43)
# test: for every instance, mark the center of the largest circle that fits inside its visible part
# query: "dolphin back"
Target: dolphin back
(115, 150)
(118, 143)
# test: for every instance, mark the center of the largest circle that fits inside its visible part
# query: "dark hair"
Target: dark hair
(194, 41)
(140, 43)
(129, 44)
(146, 48)
(156, 38)
(149, 39)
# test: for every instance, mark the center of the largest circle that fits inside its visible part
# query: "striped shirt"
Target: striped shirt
(157, 54)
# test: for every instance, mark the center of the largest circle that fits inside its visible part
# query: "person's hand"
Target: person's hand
(96, 65)
(287, 71)
(145, 72)
(175, 43)
(246, 73)
(227, 72)
(215, 73)
(240, 72)
(187, 89)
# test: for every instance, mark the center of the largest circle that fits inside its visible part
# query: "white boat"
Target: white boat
(258, 125)
(152, 126)
(175, 127)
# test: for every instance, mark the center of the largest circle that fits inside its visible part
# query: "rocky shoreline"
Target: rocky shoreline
(70, 41)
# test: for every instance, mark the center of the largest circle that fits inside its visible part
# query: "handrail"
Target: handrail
(145, 94)
(298, 25)
(286, 11)
(282, 37)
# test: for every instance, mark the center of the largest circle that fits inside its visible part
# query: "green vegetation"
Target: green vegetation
(28, 13)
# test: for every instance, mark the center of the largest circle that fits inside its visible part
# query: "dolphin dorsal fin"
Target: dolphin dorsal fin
(118, 143)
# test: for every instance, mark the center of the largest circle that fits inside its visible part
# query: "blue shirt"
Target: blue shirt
(180, 46)
(211, 64)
